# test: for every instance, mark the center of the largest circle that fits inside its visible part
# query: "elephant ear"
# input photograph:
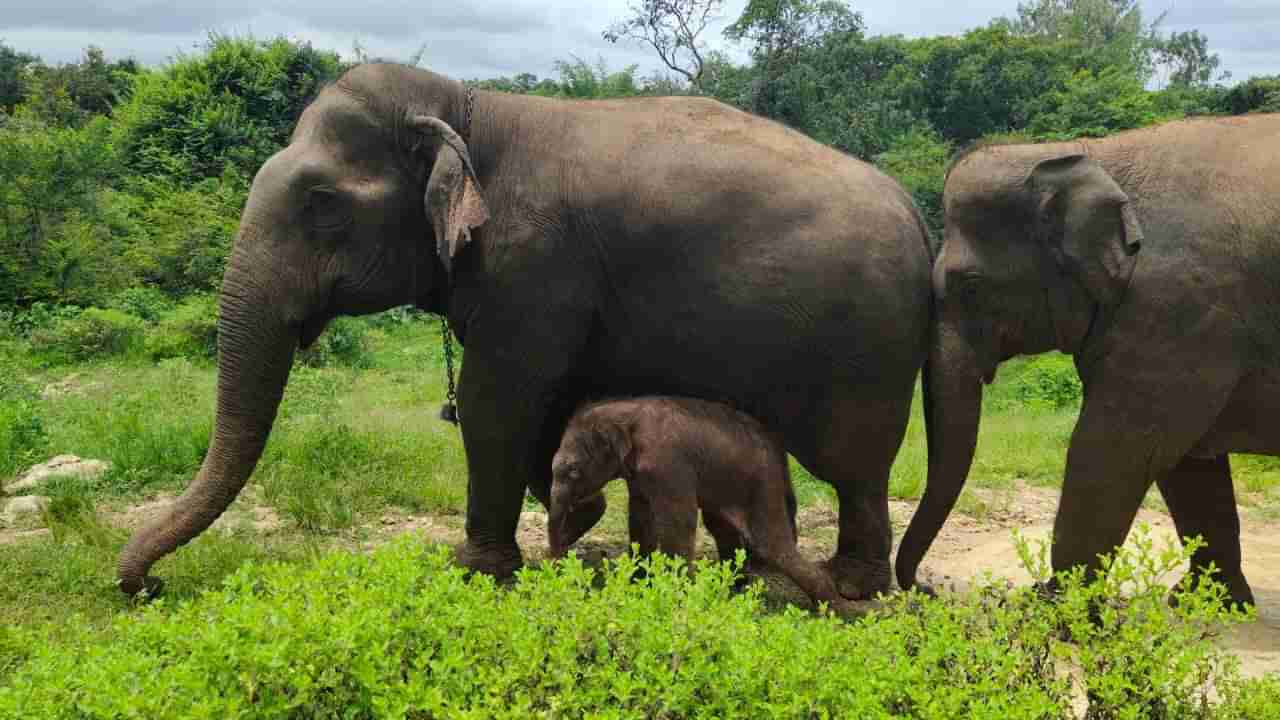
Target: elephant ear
(618, 439)
(452, 198)
(1088, 223)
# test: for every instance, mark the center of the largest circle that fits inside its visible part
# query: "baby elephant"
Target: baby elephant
(678, 455)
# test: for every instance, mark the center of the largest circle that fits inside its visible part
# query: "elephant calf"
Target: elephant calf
(677, 455)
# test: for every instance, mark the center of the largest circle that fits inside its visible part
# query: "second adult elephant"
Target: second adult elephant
(659, 245)
(1152, 257)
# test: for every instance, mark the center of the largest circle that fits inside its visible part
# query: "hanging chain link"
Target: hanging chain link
(449, 411)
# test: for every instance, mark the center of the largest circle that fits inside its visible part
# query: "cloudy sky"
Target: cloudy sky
(486, 38)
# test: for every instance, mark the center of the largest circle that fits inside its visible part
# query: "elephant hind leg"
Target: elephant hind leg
(1202, 501)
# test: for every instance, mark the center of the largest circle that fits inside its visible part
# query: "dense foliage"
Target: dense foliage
(403, 633)
(115, 176)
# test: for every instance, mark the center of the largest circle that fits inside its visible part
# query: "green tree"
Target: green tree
(918, 160)
(989, 80)
(52, 245)
(71, 93)
(1104, 33)
(1096, 105)
(1257, 94)
(1187, 59)
(13, 77)
(782, 33)
(581, 80)
(234, 105)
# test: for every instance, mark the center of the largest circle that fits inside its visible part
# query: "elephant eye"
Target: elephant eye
(970, 284)
(327, 209)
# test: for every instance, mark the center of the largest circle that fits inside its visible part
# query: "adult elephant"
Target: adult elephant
(1151, 256)
(659, 245)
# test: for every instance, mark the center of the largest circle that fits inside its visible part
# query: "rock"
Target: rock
(18, 507)
(60, 465)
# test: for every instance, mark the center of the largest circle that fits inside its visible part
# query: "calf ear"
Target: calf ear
(453, 197)
(618, 438)
(1087, 223)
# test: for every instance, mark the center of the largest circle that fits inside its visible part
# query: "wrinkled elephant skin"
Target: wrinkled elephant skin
(649, 245)
(1153, 258)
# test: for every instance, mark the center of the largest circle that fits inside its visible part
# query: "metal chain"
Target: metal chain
(449, 411)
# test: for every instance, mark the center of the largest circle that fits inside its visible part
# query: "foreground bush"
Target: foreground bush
(402, 633)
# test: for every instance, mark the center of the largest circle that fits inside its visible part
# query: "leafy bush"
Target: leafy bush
(1095, 105)
(190, 330)
(96, 332)
(143, 302)
(1139, 656)
(1049, 380)
(918, 160)
(403, 632)
(40, 316)
(184, 232)
(343, 343)
(234, 104)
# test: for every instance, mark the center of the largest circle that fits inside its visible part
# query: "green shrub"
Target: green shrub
(40, 316)
(1049, 380)
(343, 343)
(1141, 658)
(23, 439)
(143, 302)
(190, 330)
(402, 632)
(94, 333)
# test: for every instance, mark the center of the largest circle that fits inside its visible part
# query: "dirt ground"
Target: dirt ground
(967, 548)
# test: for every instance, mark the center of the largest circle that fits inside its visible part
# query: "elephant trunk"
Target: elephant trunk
(952, 390)
(255, 354)
(558, 518)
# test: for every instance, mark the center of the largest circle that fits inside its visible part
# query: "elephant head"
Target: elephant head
(1039, 240)
(588, 459)
(367, 208)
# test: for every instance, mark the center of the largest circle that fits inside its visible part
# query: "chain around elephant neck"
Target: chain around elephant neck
(468, 108)
(449, 411)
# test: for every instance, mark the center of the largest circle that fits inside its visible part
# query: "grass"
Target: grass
(351, 445)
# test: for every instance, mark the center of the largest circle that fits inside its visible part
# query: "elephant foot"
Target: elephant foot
(1238, 591)
(857, 579)
(851, 610)
(499, 561)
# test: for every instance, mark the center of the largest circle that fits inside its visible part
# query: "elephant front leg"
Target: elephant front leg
(509, 437)
(1130, 433)
(1202, 501)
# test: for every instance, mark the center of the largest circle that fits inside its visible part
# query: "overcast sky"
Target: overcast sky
(486, 38)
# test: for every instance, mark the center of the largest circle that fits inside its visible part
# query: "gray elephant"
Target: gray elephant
(1152, 257)
(577, 248)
